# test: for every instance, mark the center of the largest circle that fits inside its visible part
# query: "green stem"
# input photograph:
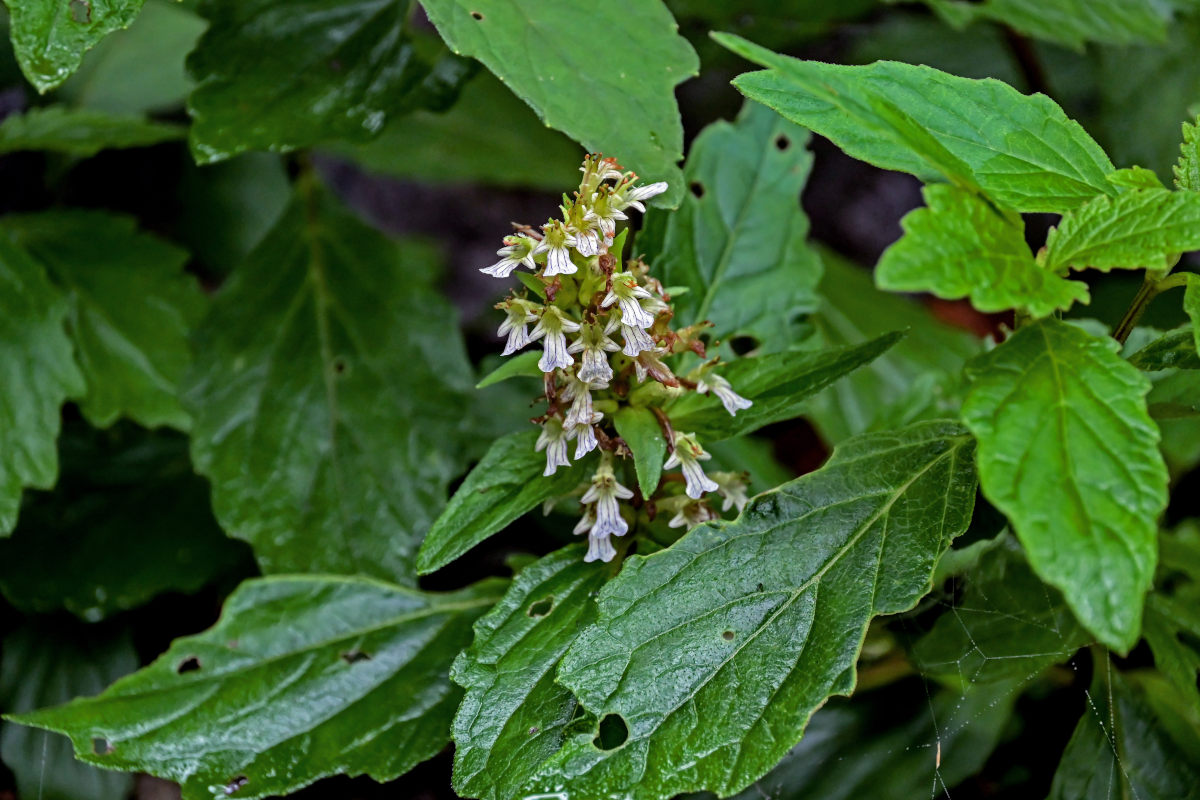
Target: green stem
(1152, 286)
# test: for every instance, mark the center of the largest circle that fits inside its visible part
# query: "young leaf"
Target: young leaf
(328, 395)
(275, 75)
(778, 384)
(1145, 229)
(1187, 169)
(133, 354)
(513, 716)
(37, 374)
(1173, 350)
(301, 678)
(737, 241)
(521, 365)
(1022, 151)
(79, 132)
(1068, 453)
(1068, 22)
(641, 431)
(503, 486)
(960, 246)
(50, 37)
(618, 99)
(713, 653)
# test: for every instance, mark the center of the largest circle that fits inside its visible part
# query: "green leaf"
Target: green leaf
(46, 663)
(274, 75)
(618, 99)
(1187, 169)
(79, 132)
(1009, 625)
(503, 486)
(1191, 305)
(1118, 749)
(1145, 229)
(514, 716)
(521, 365)
(1172, 624)
(1068, 453)
(778, 384)
(641, 431)
(328, 396)
(302, 677)
(37, 374)
(737, 241)
(1068, 22)
(1135, 178)
(51, 36)
(1022, 151)
(1173, 350)
(960, 246)
(132, 354)
(715, 651)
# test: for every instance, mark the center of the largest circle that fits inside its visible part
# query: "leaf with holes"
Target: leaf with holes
(1069, 454)
(713, 653)
(79, 132)
(1022, 151)
(328, 396)
(132, 354)
(303, 677)
(737, 241)
(618, 99)
(514, 716)
(643, 434)
(49, 37)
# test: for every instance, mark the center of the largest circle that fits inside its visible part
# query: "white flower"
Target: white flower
(604, 213)
(593, 342)
(688, 512)
(558, 252)
(600, 548)
(579, 392)
(625, 293)
(687, 456)
(554, 325)
(632, 197)
(732, 401)
(603, 494)
(732, 487)
(517, 250)
(586, 241)
(585, 436)
(516, 324)
(553, 439)
(636, 340)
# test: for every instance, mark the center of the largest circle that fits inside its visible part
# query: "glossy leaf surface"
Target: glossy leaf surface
(50, 37)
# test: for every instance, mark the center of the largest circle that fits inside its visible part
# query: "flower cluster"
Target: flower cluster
(578, 298)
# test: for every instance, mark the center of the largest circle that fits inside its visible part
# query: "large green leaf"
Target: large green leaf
(277, 75)
(80, 132)
(1068, 22)
(37, 374)
(303, 677)
(514, 716)
(1022, 151)
(47, 663)
(618, 98)
(1187, 168)
(132, 353)
(714, 652)
(51, 36)
(960, 246)
(1069, 454)
(503, 486)
(737, 241)
(1145, 229)
(328, 395)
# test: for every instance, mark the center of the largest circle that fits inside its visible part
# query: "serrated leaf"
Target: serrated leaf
(503, 486)
(960, 246)
(514, 716)
(1145, 229)
(618, 99)
(1173, 350)
(778, 384)
(715, 651)
(1069, 454)
(50, 37)
(328, 396)
(737, 241)
(80, 132)
(47, 663)
(1009, 625)
(37, 375)
(1135, 178)
(1022, 151)
(132, 354)
(277, 75)
(522, 365)
(641, 431)
(1068, 22)
(303, 677)
(1187, 169)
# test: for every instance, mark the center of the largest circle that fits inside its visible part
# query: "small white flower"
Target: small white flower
(517, 250)
(600, 548)
(579, 392)
(604, 493)
(604, 213)
(633, 197)
(586, 242)
(687, 456)
(554, 326)
(585, 436)
(553, 439)
(732, 488)
(636, 341)
(688, 512)
(594, 343)
(516, 324)
(625, 293)
(558, 252)
(732, 401)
